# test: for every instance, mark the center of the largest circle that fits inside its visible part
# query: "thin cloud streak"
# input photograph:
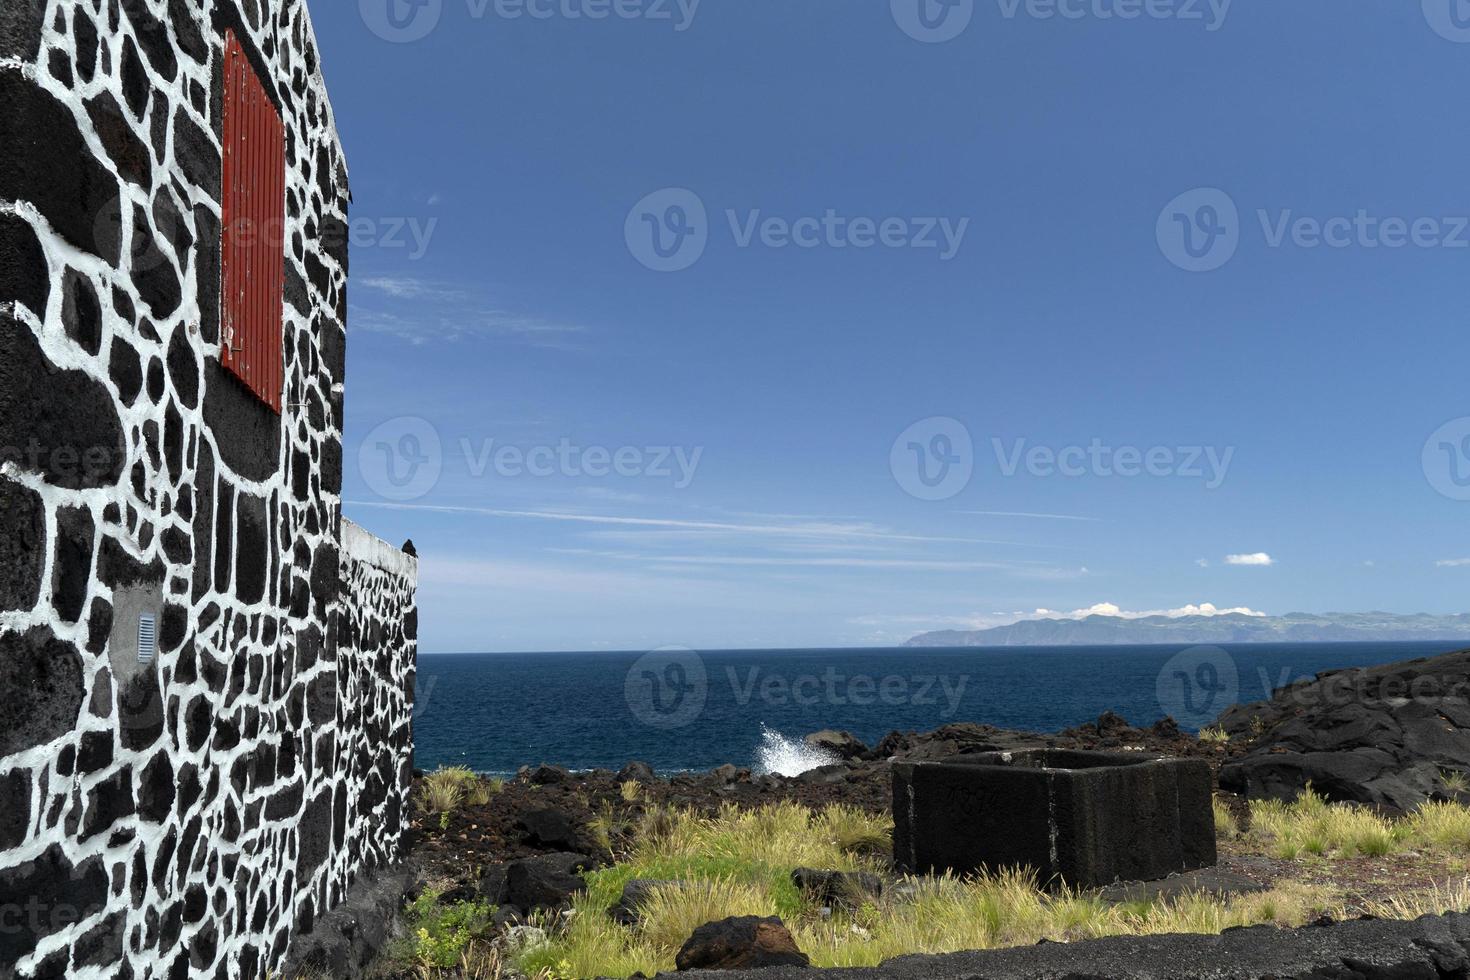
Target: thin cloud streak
(838, 531)
(1024, 514)
(934, 565)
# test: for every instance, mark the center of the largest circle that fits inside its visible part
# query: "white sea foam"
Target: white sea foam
(781, 756)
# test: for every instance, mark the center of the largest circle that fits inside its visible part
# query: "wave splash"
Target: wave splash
(781, 756)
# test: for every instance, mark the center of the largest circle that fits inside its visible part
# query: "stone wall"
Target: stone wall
(376, 663)
(188, 814)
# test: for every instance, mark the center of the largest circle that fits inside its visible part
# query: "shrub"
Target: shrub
(442, 793)
(440, 935)
(1214, 736)
(447, 789)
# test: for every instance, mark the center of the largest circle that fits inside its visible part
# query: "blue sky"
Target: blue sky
(993, 277)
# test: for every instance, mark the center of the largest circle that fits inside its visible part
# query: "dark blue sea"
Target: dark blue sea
(680, 710)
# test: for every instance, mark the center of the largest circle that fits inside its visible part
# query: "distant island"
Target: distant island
(1231, 628)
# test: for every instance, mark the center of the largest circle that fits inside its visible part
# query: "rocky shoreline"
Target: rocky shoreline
(1391, 737)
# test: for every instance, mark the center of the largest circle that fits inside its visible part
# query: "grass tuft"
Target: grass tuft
(1214, 736)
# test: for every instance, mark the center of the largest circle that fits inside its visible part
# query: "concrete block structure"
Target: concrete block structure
(206, 674)
(1083, 819)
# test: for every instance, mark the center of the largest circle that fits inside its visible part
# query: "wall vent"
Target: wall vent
(147, 638)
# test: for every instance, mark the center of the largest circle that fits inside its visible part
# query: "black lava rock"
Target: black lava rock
(547, 881)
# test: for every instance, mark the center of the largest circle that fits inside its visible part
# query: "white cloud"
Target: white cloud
(1208, 609)
(1258, 560)
(1202, 562)
(418, 310)
(405, 287)
(1453, 563)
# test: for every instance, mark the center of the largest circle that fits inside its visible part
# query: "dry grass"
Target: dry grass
(1214, 736)
(1226, 827)
(447, 789)
(739, 863)
(1311, 826)
(1450, 897)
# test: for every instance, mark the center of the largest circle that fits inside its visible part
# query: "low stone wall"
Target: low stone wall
(377, 654)
(1429, 948)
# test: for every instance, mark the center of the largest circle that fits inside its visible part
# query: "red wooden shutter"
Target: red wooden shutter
(253, 216)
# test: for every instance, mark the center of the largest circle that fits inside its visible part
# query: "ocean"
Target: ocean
(679, 710)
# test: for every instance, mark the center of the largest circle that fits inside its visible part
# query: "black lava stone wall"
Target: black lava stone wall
(186, 816)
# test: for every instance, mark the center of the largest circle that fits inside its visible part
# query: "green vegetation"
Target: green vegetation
(1312, 826)
(439, 936)
(1214, 736)
(740, 863)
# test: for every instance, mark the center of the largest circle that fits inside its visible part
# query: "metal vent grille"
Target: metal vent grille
(147, 638)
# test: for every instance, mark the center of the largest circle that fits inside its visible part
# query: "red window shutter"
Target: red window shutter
(253, 217)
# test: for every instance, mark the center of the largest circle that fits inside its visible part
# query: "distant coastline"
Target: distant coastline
(1373, 627)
